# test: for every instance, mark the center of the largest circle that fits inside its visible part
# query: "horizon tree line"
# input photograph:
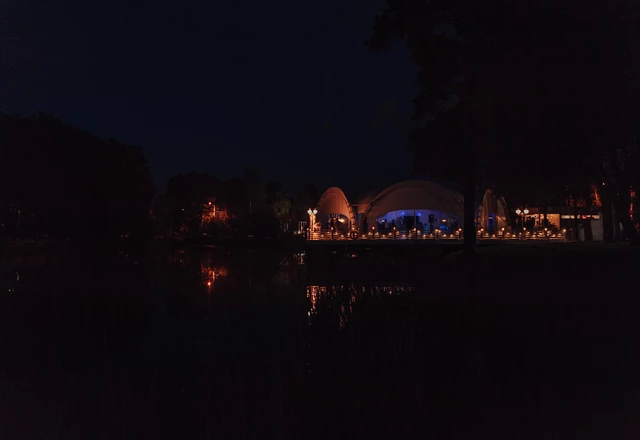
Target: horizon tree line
(59, 181)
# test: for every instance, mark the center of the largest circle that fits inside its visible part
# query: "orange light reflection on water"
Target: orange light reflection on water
(210, 274)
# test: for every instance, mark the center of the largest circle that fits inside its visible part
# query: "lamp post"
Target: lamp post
(312, 221)
(524, 214)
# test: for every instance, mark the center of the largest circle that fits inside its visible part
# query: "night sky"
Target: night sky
(287, 87)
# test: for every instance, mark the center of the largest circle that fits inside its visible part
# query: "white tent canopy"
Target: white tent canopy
(415, 194)
(334, 201)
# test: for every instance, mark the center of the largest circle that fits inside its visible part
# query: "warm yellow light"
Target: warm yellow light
(518, 211)
(209, 282)
(526, 211)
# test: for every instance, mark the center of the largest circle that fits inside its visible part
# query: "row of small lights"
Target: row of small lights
(456, 235)
(458, 232)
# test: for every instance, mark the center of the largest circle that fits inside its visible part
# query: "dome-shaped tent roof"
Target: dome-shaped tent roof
(334, 201)
(416, 194)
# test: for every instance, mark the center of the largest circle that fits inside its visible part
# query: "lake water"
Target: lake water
(214, 343)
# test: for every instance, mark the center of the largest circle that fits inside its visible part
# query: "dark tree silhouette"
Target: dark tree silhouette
(59, 181)
(306, 197)
(255, 209)
(180, 208)
(515, 92)
(280, 206)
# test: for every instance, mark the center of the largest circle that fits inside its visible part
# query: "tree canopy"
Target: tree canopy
(60, 181)
(515, 95)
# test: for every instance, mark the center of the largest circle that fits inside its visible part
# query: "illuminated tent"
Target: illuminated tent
(334, 203)
(410, 201)
(419, 195)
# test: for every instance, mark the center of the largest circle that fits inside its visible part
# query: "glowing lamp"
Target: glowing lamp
(518, 211)
(526, 211)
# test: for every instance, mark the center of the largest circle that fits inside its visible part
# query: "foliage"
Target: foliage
(518, 97)
(255, 209)
(59, 181)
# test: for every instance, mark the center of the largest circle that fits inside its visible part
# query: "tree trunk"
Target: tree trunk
(588, 231)
(622, 205)
(575, 220)
(607, 216)
(616, 221)
(469, 242)
(469, 207)
(469, 165)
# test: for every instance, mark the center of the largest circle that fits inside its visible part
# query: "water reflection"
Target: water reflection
(248, 278)
(210, 271)
(276, 351)
(342, 298)
(300, 257)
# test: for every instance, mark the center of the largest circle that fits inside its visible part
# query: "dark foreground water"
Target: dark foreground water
(521, 343)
